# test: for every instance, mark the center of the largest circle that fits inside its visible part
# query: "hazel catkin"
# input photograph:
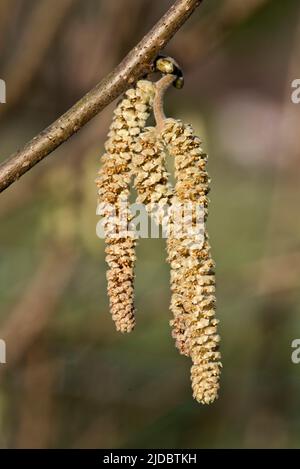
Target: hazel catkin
(133, 150)
(113, 184)
(192, 268)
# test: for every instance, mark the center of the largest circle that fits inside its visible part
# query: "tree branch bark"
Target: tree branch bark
(133, 66)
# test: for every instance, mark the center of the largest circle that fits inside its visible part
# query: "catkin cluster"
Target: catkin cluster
(135, 150)
(113, 185)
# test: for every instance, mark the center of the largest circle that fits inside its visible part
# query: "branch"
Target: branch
(136, 64)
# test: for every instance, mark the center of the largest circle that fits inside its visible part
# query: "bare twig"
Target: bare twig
(78, 148)
(135, 64)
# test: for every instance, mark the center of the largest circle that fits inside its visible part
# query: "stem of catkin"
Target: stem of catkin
(158, 103)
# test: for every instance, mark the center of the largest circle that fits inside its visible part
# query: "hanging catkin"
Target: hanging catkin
(192, 268)
(113, 191)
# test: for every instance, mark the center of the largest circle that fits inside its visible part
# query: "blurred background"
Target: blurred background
(72, 381)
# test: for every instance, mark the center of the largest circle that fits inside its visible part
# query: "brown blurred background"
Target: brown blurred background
(70, 379)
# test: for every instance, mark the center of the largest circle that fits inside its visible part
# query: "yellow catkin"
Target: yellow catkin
(151, 175)
(113, 185)
(192, 268)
